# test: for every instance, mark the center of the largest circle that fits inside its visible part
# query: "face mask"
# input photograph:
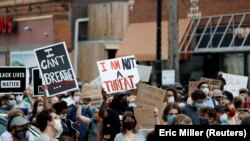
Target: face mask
(129, 125)
(63, 116)
(132, 105)
(76, 98)
(232, 112)
(189, 101)
(205, 90)
(39, 109)
(198, 105)
(12, 103)
(21, 134)
(223, 119)
(170, 119)
(96, 117)
(123, 106)
(58, 127)
(19, 97)
(171, 99)
(181, 105)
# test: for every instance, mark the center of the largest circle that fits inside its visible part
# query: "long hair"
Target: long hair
(125, 115)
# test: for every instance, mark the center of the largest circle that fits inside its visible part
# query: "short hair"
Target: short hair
(201, 83)
(238, 102)
(245, 121)
(198, 94)
(174, 92)
(182, 119)
(125, 115)
(59, 106)
(168, 108)
(43, 117)
(211, 112)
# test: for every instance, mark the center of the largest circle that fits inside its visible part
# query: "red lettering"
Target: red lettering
(115, 65)
(6, 25)
(103, 67)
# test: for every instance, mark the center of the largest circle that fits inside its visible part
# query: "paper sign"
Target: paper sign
(144, 72)
(12, 79)
(192, 86)
(147, 98)
(213, 83)
(119, 74)
(56, 69)
(234, 83)
(168, 77)
(36, 83)
(94, 93)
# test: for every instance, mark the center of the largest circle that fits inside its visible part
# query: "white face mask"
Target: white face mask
(171, 99)
(189, 101)
(58, 127)
(76, 98)
(205, 90)
(19, 97)
(39, 109)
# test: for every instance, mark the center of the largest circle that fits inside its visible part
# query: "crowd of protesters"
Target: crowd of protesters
(69, 117)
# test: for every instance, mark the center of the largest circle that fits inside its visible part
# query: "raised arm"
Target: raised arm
(80, 117)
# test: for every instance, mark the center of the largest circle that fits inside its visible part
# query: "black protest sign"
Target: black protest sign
(56, 69)
(36, 82)
(12, 79)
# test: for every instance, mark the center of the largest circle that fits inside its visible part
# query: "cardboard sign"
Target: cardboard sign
(168, 77)
(119, 74)
(144, 72)
(94, 93)
(192, 86)
(12, 79)
(147, 98)
(56, 69)
(234, 83)
(213, 83)
(36, 83)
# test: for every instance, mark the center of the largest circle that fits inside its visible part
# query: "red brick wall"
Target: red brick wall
(145, 10)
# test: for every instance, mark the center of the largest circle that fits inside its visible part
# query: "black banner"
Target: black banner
(37, 82)
(56, 69)
(12, 79)
(202, 133)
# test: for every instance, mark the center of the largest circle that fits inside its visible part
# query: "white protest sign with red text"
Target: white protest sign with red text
(119, 74)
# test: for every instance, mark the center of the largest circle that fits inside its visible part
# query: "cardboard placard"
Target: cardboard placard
(147, 98)
(12, 79)
(234, 83)
(144, 72)
(192, 86)
(56, 69)
(94, 93)
(37, 83)
(213, 83)
(119, 74)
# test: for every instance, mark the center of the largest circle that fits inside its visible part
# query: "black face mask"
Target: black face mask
(21, 134)
(123, 106)
(129, 125)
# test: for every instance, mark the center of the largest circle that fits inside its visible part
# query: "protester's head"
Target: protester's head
(198, 98)
(182, 119)
(19, 98)
(9, 100)
(243, 92)
(169, 113)
(15, 112)
(171, 95)
(128, 122)
(208, 115)
(246, 121)
(229, 96)
(218, 96)
(151, 136)
(49, 120)
(242, 114)
(120, 102)
(18, 127)
(238, 102)
(54, 99)
(60, 107)
(76, 95)
(204, 86)
(38, 107)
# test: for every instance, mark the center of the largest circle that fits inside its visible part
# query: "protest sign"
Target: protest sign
(96, 81)
(12, 79)
(36, 83)
(168, 77)
(213, 83)
(56, 69)
(94, 93)
(192, 86)
(144, 72)
(234, 83)
(147, 98)
(119, 74)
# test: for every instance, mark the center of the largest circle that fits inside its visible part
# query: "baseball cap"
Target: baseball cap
(18, 121)
(217, 93)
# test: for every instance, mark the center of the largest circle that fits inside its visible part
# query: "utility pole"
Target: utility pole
(158, 43)
(173, 38)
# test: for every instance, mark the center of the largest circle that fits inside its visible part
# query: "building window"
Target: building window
(234, 63)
